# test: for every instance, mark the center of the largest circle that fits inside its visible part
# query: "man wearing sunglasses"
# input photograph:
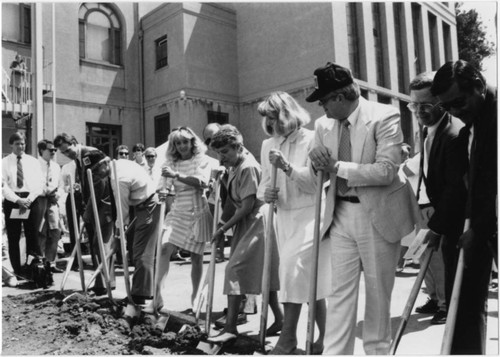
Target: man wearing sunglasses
(463, 92)
(441, 193)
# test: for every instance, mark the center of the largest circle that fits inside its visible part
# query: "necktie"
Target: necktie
(421, 167)
(344, 154)
(20, 174)
(48, 173)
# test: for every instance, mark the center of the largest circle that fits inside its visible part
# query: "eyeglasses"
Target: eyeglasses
(150, 156)
(322, 102)
(123, 153)
(425, 107)
(455, 103)
(52, 150)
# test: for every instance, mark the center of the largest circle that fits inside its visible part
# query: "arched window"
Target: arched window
(100, 33)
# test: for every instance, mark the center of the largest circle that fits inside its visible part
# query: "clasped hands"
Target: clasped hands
(24, 204)
(322, 160)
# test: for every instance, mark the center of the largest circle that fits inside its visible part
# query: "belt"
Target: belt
(145, 202)
(23, 194)
(425, 205)
(352, 199)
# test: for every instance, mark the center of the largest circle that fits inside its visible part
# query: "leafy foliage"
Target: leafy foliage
(473, 46)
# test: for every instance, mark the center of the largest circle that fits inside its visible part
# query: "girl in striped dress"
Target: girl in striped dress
(188, 225)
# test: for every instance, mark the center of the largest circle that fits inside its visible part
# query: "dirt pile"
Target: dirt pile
(39, 323)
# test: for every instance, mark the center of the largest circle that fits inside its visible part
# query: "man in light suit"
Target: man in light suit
(369, 207)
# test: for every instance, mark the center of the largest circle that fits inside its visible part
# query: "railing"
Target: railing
(17, 87)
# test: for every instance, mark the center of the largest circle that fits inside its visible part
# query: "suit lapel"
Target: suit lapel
(435, 143)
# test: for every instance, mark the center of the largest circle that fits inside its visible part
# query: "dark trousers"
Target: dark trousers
(470, 330)
(48, 237)
(14, 226)
(147, 228)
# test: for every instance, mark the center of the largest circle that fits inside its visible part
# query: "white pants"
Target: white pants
(357, 246)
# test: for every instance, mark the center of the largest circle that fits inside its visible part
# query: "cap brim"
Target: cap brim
(316, 95)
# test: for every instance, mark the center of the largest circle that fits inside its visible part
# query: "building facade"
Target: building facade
(131, 72)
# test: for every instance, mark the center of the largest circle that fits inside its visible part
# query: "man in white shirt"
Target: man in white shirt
(49, 220)
(136, 190)
(21, 187)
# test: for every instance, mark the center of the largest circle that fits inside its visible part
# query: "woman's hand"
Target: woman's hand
(168, 172)
(218, 236)
(271, 194)
(277, 159)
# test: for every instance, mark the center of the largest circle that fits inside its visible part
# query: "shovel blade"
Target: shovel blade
(161, 323)
(209, 348)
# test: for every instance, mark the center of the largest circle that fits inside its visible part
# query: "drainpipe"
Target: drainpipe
(36, 54)
(54, 121)
(138, 26)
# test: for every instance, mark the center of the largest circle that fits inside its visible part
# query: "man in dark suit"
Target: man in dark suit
(441, 191)
(69, 147)
(463, 92)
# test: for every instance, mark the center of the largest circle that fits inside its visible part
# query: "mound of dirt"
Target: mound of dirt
(39, 323)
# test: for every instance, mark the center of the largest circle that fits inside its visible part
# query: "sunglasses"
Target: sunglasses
(150, 156)
(123, 153)
(52, 150)
(455, 103)
(425, 107)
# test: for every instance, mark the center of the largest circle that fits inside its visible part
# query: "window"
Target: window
(416, 11)
(401, 49)
(217, 117)
(161, 52)
(104, 137)
(447, 42)
(378, 14)
(355, 41)
(433, 37)
(384, 99)
(25, 23)
(99, 33)
(162, 128)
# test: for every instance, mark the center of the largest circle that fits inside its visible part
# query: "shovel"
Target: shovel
(314, 268)
(451, 317)
(162, 319)
(207, 291)
(99, 235)
(123, 240)
(411, 301)
(77, 250)
(266, 277)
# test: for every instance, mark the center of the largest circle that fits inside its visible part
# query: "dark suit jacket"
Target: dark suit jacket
(444, 183)
(482, 178)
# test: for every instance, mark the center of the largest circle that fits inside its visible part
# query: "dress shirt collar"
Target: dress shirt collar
(353, 117)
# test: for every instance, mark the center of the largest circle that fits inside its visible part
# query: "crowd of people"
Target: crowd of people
(368, 206)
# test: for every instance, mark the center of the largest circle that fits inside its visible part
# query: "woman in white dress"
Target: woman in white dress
(188, 224)
(294, 195)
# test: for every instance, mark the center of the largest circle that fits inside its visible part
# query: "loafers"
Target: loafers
(430, 307)
(56, 270)
(224, 337)
(439, 318)
(241, 319)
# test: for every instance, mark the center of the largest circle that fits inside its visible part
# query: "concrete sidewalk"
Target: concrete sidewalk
(420, 338)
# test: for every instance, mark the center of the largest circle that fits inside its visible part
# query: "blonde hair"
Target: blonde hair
(197, 146)
(281, 114)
